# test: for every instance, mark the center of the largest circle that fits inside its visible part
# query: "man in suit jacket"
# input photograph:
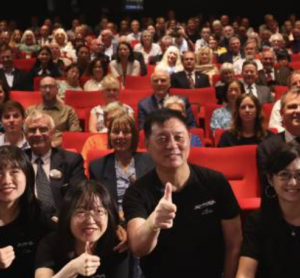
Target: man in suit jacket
(234, 52)
(290, 112)
(249, 72)
(63, 168)
(160, 81)
(189, 79)
(14, 78)
(269, 76)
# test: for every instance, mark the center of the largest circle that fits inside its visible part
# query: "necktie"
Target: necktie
(43, 188)
(191, 80)
(161, 103)
(269, 76)
(250, 89)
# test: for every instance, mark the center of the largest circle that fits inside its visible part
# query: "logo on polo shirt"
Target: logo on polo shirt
(206, 208)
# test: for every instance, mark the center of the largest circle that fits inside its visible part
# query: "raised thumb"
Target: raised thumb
(88, 249)
(168, 192)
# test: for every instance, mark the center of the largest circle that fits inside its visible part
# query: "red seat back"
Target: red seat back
(238, 164)
(74, 140)
(84, 99)
(24, 64)
(279, 91)
(137, 82)
(26, 98)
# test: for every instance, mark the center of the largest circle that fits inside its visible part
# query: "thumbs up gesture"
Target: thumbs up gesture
(87, 263)
(165, 211)
(7, 255)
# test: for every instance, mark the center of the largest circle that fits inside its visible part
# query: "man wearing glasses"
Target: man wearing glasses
(64, 116)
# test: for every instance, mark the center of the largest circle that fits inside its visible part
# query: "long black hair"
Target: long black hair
(85, 192)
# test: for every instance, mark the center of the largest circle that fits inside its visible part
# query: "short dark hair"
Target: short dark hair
(249, 62)
(103, 63)
(10, 104)
(86, 192)
(160, 116)
(6, 90)
(281, 157)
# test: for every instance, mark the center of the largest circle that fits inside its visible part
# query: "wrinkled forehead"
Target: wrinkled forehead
(172, 125)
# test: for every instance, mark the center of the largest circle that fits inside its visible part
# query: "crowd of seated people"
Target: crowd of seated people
(45, 189)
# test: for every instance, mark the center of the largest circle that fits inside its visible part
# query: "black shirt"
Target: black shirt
(194, 246)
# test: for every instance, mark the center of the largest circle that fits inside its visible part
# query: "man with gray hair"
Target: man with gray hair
(64, 116)
(234, 53)
(56, 169)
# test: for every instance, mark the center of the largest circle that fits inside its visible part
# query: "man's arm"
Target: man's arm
(73, 121)
(232, 232)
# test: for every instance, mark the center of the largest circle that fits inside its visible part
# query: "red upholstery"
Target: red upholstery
(217, 137)
(267, 109)
(238, 164)
(24, 64)
(26, 98)
(150, 70)
(279, 91)
(295, 65)
(84, 99)
(132, 97)
(295, 57)
(200, 96)
(137, 82)
(74, 140)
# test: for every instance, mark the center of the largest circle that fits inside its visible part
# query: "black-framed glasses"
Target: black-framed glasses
(286, 176)
(97, 214)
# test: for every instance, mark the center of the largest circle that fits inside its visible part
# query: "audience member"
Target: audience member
(87, 233)
(189, 78)
(158, 209)
(97, 70)
(28, 44)
(64, 116)
(12, 115)
(171, 61)
(56, 169)
(22, 225)
(248, 124)
(221, 117)
(271, 246)
(250, 74)
(160, 81)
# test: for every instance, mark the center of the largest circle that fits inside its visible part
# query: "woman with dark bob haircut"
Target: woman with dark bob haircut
(21, 227)
(125, 64)
(86, 237)
(271, 246)
(248, 124)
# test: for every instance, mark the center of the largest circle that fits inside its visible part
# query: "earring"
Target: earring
(270, 192)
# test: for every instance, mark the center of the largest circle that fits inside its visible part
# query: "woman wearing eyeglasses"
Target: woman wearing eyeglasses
(84, 244)
(271, 246)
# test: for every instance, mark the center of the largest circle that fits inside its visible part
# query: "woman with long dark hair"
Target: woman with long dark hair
(248, 123)
(86, 237)
(271, 246)
(20, 221)
(125, 64)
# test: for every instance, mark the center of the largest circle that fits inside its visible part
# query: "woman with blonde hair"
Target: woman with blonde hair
(66, 48)
(204, 63)
(28, 44)
(110, 90)
(171, 61)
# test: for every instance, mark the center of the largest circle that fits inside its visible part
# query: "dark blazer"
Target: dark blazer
(149, 104)
(19, 82)
(70, 165)
(103, 170)
(227, 57)
(281, 77)
(265, 148)
(180, 80)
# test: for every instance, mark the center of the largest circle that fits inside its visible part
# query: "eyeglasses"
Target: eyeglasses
(286, 176)
(41, 129)
(97, 214)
